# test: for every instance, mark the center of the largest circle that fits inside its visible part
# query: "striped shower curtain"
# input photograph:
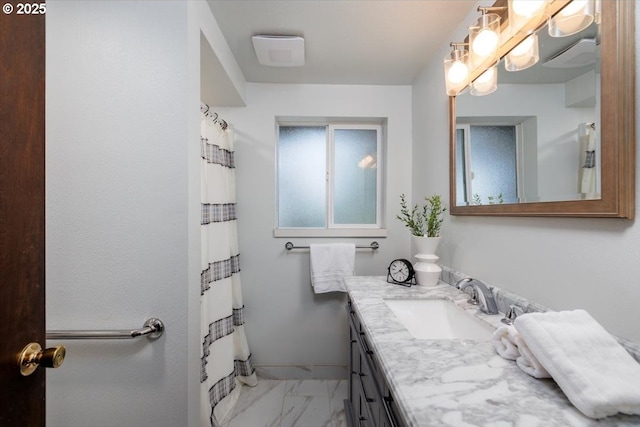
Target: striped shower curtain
(226, 360)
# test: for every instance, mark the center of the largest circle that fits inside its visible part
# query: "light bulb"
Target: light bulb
(484, 37)
(527, 14)
(486, 83)
(524, 47)
(458, 72)
(524, 55)
(485, 77)
(485, 42)
(527, 7)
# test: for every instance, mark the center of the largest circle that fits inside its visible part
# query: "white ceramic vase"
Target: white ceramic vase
(427, 271)
(426, 245)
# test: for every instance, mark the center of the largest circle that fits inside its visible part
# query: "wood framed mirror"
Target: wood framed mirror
(616, 124)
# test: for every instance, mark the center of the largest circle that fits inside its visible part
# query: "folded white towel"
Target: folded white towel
(593, 370)
(527, 360)
(329, 264)
(510, 345)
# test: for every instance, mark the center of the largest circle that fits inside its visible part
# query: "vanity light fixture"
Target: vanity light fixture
(519, 45)
(456, 69)
(575, 17)
(484, 37)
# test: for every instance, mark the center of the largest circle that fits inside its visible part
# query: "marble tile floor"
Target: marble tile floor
(291, 403)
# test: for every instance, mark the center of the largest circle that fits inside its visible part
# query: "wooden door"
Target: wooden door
(22, 260)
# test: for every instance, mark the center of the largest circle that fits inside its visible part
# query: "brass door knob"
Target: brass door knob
(33, 356)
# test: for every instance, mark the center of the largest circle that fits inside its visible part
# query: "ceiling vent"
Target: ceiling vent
(579, 54)
(279, 51)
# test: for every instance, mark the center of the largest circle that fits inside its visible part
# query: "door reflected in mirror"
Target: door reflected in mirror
(536, 138)
(489, 172)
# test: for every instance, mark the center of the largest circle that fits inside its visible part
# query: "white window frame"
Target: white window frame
(332, 229)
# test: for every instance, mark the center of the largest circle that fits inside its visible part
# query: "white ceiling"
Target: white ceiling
(379, 42)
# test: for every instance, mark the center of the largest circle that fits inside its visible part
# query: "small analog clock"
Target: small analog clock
(401, 272)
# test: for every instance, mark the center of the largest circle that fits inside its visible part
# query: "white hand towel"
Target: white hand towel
(593, 370)
(588, 181)
(329, 264)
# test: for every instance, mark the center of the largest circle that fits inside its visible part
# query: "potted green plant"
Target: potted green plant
(425, 222)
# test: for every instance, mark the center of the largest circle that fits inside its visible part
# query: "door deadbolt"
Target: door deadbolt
(33, 356)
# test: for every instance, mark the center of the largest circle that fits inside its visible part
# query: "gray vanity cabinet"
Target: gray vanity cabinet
(370, 402)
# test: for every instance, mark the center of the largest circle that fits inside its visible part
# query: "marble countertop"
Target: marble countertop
(461, 383)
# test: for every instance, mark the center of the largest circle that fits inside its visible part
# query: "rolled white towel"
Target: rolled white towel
(510, 345)
(502, 340)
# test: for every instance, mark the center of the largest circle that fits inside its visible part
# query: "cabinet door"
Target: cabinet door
(354, 369)
(372, 404)
(369, 392)
(364, 419)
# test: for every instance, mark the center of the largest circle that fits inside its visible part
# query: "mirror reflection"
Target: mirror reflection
(536, 138)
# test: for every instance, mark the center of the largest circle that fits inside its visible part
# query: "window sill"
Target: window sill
(333, 232)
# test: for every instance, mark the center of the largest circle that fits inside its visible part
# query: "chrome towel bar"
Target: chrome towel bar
(153, 328)
(373, 246)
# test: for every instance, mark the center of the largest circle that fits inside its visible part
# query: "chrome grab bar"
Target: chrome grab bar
(374, 245)
(153, 329)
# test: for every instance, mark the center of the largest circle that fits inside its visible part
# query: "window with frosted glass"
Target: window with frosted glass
(355, 176)
(329, 176)
(493, 163)
(302, 153)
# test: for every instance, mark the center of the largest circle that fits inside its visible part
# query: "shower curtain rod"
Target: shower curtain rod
(204, 109)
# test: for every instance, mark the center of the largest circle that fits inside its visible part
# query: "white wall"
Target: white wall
(561, 263)
(286, 323)
(118, 96)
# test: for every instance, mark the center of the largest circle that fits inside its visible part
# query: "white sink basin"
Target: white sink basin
(438, 319)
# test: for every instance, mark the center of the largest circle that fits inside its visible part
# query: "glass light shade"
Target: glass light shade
(573, 18)
(526, 13)
(484, 39)
(486, 83)
(456, 71)
(524, 55)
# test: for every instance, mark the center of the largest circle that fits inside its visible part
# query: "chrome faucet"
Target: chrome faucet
(487, 301)
(511, 314)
